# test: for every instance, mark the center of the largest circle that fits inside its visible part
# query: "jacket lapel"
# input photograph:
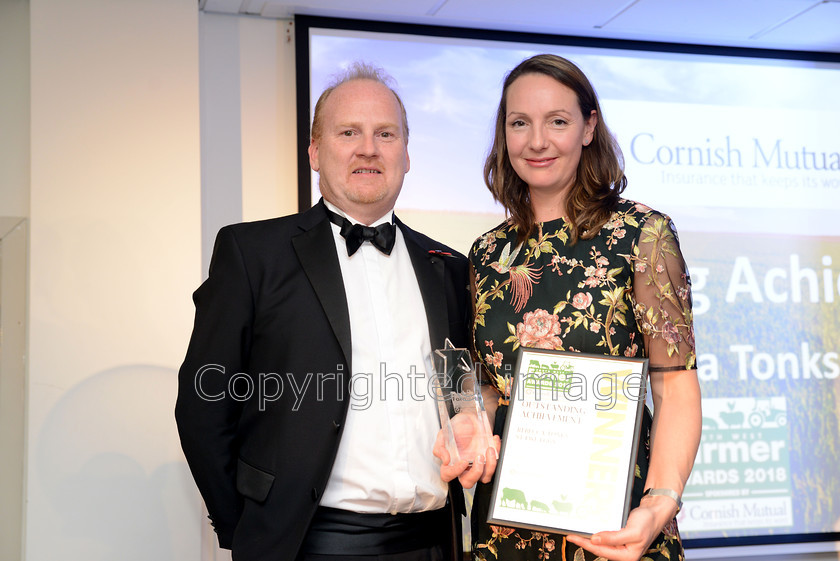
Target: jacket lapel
(431, 277)
(315, 249)
(430, 269)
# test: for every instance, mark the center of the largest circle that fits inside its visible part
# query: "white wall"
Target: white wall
(115, 207)
(108, 173)
(114, 255)
(269, 125)
(248, 124)
(14, 208)
(12, 383)
(14, 108)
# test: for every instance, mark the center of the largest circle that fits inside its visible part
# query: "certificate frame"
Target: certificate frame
(568, 455)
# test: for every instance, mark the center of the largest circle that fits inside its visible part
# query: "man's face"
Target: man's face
(361, 155)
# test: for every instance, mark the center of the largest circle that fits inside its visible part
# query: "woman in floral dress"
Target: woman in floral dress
(578, 268)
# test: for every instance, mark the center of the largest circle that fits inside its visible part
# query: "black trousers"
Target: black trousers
(339, 534)
(435, 553)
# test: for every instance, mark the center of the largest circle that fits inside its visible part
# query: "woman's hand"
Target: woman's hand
(644, 524)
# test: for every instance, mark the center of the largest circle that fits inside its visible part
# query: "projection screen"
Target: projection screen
(741, 148)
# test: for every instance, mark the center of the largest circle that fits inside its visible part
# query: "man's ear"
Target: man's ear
(313, 156)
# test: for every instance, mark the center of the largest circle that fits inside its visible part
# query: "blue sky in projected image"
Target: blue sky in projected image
(451, 89)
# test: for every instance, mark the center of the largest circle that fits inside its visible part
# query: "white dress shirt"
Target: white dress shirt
(385, 461)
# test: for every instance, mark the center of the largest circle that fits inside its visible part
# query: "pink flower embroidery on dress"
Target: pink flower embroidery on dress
(495, 359)
(502, 531)
(670, 333)
(539, 329)
(581, 300)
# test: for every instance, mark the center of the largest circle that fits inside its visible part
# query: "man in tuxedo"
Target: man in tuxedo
(303, 406)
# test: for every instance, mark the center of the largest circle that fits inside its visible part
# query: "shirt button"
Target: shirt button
(336, 425)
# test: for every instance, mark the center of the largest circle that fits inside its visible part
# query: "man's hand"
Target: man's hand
(482, 468)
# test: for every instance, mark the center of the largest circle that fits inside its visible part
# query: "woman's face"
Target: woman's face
(545, 132)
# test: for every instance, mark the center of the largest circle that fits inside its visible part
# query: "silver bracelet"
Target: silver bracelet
(667, 493)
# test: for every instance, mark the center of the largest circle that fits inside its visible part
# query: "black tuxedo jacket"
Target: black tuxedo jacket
(264, 388)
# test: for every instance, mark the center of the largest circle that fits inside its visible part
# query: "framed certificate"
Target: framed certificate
(570, 440)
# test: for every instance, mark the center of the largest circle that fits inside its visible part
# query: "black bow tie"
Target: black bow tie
(382, 236)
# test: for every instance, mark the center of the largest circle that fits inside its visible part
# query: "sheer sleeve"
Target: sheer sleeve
(662, 290)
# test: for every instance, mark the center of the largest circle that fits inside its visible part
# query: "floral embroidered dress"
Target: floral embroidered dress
(625, 292)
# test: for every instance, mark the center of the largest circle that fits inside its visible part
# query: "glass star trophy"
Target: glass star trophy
(462, 417)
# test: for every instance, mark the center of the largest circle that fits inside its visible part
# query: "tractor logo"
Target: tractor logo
(744, 413)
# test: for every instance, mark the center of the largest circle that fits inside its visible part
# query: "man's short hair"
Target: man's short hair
(356, 71)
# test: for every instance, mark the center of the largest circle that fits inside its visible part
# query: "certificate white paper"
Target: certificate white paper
(570, 440)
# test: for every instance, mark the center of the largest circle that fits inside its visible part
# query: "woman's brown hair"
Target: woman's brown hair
(600, 173)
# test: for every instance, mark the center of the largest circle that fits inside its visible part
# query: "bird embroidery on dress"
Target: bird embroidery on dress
(522, 277)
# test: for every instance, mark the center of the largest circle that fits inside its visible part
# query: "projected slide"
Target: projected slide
(744, 155)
